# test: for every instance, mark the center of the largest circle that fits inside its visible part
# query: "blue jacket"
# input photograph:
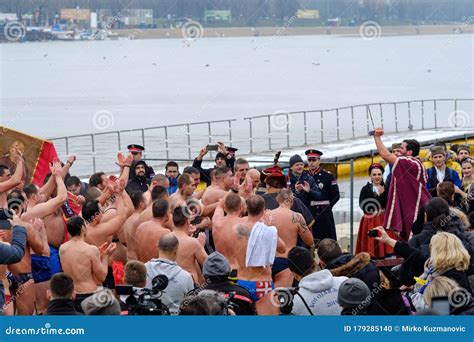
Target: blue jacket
(173, 185)
(11, 254)
(449, 176)
(314, 193)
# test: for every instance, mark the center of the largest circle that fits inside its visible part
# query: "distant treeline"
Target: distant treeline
(250, 12)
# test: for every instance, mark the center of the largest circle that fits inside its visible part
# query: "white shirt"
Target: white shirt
(440, 174)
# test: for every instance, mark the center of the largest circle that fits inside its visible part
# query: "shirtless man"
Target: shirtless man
(256, 279)
(86, 264)
(223, 181)
(157, 180)
(100, 232)
(222, 226)
(158, 192)
(149, 233)
(185, 191)
(191, 253)
(289, 225)
(129, 228)
(21, 273)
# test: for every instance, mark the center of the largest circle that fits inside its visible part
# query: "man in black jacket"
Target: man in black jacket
(345, 264)
(224, 157)
(138, 182)
(61, 296)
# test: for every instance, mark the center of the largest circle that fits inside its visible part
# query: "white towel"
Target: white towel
(261, 247)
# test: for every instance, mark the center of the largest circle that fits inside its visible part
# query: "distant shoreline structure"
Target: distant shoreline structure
(220, 32)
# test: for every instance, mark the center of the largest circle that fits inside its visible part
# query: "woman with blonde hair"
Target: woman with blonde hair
(460, 301)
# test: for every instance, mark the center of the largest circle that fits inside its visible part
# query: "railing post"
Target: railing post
(230, 132)
(67, 146)
(143, 137)
(422, 114)
(352, 119)
(455, 113)
(209, 133)
(351, 213)
(269, 133)
(166, 143)
(93, 153)
(337, 123)
(188, 134)
(119, 141)
(435, 114)
(396, 116)
(287, 130)
(410, 127)
(251, 135)
(381, 115)
(305, 129)
(367, 118)
(322, 128)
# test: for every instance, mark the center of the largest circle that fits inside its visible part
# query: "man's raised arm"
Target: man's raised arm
(383, 151)
(16, 178)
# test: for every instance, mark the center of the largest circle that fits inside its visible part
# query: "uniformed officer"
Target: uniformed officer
(324, 226)
(137, 153)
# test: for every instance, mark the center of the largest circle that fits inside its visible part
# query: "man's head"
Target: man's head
(328, 249)
(207, 302)
(446, 190)
(98, 180)
(161, 209)
(301, 262)
(159, 192)
(76, 226)
(314, 159)
(181, 216)
(73, 185)
(254, 175)
(168, 246)
(296, 164)
(61, 286)
(216, 266)
(255, 206)
(396, 149)
(353, 293)
(138, 200)
(438, 156)
(32, 193)
(464, 151)
(186, 185)
(241, 166)
(195, 174)
(160, 180)
(224, 177)
(285, 198)
(136, 151)
(17, 201)
(172, 170)
(4, 173)
(233, 204)
(91, 211)
(135, 273)
(221, 160)
(140, 169)
(410, 148)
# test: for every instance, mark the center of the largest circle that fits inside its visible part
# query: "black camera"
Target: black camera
(144, 301)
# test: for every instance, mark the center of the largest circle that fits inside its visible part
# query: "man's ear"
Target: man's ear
(48, 295)
(73, 296)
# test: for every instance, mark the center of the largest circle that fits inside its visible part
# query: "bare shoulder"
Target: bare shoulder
(242, 231)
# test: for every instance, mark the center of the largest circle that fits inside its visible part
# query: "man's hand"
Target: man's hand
(80, 200)
(16, 221)
(71, 159)
(298, 186)
(107, 249)
(378, 132)
(202, 238)
(202, 152)
(122, 161)
(56, 169)
(306, 186)
(221, 148)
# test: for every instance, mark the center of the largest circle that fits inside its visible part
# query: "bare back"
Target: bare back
(129, 230)
(55, 228)
(77, 261)
(213, 194)
(224, 235)
(191, 255)
(146, 240)
(287, 225)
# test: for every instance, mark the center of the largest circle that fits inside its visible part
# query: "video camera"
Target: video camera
(284, 297)
(144, 301)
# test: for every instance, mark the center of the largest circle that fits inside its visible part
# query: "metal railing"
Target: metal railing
(267, 132)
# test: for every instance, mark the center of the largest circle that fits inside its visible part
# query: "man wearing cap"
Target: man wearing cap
(137, 153)
(324, 226)
(439, 172)
(224, 157)
(302, 183)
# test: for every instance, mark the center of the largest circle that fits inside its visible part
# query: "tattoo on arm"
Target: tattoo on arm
(299, 219)
(242, 232)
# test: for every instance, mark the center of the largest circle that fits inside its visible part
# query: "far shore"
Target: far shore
(212, 32)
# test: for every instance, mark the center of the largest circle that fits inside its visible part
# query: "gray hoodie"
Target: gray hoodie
(319, 290)
(180, 281)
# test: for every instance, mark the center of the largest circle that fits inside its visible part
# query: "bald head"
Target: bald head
(168, 246)
(254, 174)
(160, 180)
(255, 205)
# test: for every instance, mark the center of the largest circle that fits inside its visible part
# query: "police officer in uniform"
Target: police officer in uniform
(324, 226)
(137, 153)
